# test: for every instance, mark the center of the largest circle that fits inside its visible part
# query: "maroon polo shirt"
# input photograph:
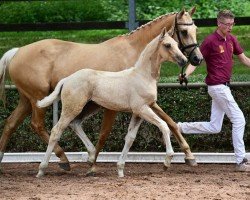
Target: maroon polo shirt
(218, 54)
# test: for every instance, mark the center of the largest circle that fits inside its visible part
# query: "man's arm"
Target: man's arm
(190, 69)
(244, 59)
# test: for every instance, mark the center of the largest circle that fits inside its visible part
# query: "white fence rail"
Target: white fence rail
(142, 157)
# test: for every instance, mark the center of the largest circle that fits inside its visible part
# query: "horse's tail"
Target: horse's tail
(48, 100)
(4, 63)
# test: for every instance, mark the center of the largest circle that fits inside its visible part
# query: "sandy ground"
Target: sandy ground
(142, 181)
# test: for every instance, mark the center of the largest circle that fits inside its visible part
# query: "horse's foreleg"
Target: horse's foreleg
(22, 110)
(189, 159)
(134, 125)
(107, 123)
(148, 114)
(37, 123)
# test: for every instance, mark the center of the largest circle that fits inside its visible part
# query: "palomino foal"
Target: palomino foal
(132, 90)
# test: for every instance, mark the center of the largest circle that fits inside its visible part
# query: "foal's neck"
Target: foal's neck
(149, 63)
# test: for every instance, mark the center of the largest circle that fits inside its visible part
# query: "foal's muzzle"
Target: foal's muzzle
(182, 62)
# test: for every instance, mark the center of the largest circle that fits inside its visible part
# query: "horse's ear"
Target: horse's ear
(181, 13)
(163, 32)
(192, 11)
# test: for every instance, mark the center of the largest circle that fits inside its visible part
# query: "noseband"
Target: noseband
(183, 48)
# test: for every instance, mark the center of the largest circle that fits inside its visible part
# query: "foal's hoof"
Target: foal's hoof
(64, 166)
(191, 162)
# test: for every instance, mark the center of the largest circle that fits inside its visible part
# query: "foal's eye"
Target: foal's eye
(184, 32)
(167, 46)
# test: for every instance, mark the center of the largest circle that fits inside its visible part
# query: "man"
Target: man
(218, 49)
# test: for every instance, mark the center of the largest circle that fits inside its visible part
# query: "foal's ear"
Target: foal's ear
(163, 32)
(192, 11)
(181, 13)
(171, 31)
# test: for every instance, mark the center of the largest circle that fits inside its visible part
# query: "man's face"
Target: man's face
(225, 25)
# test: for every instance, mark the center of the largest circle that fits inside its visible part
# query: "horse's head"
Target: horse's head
(169, 50)
(184, 31)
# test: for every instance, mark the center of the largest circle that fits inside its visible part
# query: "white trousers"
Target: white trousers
(222, 103)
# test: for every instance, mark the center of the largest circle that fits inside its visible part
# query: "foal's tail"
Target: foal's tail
(4, 63)
(46, 101)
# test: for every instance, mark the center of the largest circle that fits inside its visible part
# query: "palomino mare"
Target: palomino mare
(112, 90)
(36, 68)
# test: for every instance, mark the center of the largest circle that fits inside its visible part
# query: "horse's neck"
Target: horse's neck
(139, 38)
(148, 63)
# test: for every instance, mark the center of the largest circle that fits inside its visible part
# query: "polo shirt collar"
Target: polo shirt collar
(219, 37)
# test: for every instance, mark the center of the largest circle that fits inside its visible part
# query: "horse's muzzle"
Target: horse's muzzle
(195, 60)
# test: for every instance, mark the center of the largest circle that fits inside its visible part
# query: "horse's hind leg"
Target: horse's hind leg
(37, 122)
(189, 159)
(77, 128)
(55, 135)
(134, 125)
(70, 109)
(107, 123)
(22, 110)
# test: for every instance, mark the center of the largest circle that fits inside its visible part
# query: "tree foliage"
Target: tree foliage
(103, 10)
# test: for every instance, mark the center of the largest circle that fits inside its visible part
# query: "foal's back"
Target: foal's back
(120, 91)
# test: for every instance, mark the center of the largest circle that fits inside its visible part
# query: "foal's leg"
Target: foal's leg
(148, 114)
(22, 110)
(107, 123)
(134, 125)
(77, 128)
(55, 135)
(37, 122)
(68, 114)
(189, 159)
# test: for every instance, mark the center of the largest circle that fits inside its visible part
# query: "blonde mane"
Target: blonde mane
(148, 24)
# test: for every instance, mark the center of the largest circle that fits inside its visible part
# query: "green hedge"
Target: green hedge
(181, 105)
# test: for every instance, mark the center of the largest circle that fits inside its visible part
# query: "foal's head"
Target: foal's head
(168, 49)
(185, 34)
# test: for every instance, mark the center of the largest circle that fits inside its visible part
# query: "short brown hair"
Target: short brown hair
(225, 14)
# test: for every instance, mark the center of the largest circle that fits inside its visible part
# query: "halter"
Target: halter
(183, 48)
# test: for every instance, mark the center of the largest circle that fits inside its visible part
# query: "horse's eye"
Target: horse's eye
(167, 45)
(184, 32)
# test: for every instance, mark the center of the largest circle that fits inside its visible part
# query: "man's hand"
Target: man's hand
(183, 79)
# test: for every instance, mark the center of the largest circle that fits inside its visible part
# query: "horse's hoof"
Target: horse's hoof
(91, 173)
(120, 174)
(64, 166)
(165, 168)
(40, 174)
(191, 162)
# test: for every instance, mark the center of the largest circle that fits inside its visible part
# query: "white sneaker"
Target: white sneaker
(244, 166)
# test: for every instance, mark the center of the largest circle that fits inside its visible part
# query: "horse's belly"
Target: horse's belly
(112, 103)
